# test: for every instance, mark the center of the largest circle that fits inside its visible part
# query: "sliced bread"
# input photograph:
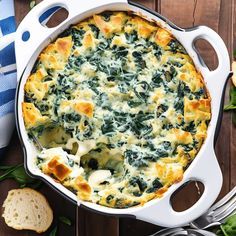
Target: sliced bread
(27, 209)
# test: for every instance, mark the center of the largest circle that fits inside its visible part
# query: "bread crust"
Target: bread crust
(28, 197)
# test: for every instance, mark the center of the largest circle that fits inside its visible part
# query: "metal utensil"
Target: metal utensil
(36, 142)
(199, 232)
(182, 231)
(217, 213)
(214, 216)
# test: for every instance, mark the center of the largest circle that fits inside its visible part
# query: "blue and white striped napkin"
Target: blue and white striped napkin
(8, 79)
(7, 75)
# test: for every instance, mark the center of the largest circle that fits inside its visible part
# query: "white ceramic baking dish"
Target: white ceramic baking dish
(204, 168)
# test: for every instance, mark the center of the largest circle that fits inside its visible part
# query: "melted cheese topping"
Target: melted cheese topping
(119, 108)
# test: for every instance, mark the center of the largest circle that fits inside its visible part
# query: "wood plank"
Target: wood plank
(152, 4)
(90, 223)
(184, 17)
(224, 148)
(233, 129)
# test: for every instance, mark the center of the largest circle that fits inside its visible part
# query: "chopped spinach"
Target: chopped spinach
(142, 90)
(131, 37)
(141, 64)
(103, 45)
(179, 105)
(156, 80)
(70, 117)
(93, 84)
(75, 62)
(36, 65)
(135, 158)
(108, 127)
(93, 164)
(133, 103)
(87, 133)
(139, 126)
(138, 181)
(121, 52)
(190, 127)
(175, 47)
(161, 109)
(161, 153)
(156, 184)
(103, 101)
(106, 15)
(95, 30)
(109, 198)
(123, 88)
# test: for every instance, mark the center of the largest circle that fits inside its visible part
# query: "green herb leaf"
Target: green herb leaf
(232, 103)
(53, 232)
(234, 54)
(8, 172)
(32, 4)
(229, 107)
(19, 175)
(219, 232)
(228, 228)
(65, 220)
(6, 167)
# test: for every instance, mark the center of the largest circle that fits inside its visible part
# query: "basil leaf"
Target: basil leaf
(19, 175)
(6, 167)
(219, 233)
(232, 103)
(65, 220)
(229, 107)
(53, 232)
(234, 54)
(228, 228)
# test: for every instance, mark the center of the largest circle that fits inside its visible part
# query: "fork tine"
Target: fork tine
(167, 231)
(222, 209)
(225, 199)
(226, 213)
(36, 142)
(180, 233)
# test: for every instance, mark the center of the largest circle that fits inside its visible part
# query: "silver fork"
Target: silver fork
(36, 142)
(214, 216)
(181, 231)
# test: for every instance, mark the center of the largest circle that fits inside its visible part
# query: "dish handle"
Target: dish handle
(205, 170)
(32, 30)
(215, 79)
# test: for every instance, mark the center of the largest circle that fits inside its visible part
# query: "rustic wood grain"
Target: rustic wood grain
(152, 4)
(224, 150)
(233, 130)
(217, 14)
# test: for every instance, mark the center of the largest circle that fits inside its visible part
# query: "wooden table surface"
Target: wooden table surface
(217, 14)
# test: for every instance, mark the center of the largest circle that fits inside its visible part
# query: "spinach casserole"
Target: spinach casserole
(119, 108)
